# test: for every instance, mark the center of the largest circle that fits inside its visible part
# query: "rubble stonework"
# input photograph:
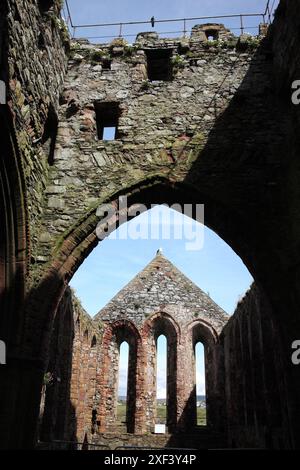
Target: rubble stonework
(38, 45)
(163, 126)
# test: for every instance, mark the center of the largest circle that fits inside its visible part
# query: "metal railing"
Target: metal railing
(239, 23)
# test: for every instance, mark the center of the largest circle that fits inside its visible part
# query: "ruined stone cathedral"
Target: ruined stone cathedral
(206, 118)
(159, 300)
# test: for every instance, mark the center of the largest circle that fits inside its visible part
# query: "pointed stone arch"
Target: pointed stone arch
(81, 239)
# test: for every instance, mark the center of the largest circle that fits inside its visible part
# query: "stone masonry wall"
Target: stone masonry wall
(256, 401)
(69, 384)
(163, 125)
(33, 62)
(37, 47)
(249, 164)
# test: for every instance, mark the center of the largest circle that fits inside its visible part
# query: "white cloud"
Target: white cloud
(123, 382)
(161, 383)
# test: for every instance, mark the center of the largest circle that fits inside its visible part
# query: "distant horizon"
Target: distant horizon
(199, 397)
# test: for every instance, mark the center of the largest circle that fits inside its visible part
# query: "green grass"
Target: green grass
(201, 416)
(161, 414)
(121, 413)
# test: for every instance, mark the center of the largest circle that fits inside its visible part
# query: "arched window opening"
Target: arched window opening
(200, 384)
(123, 386)
(161, 384)
(94, 342)
(164, 372)
(118, 408)
(215, 268)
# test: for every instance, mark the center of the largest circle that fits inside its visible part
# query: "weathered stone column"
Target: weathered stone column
(186, 392)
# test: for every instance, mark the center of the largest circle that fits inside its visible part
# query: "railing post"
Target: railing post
(184, 28)
(270, 16)
(242, 24)
(121, 30)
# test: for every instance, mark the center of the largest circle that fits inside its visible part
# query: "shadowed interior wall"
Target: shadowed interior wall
(26, 71)
(256, 400)
(68, 395)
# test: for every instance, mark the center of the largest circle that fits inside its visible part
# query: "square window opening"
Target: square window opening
(159, 66)
(107, 120)
(212, 35)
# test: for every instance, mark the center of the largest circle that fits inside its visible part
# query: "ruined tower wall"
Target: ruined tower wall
(249, 164)
(163, 125)
(256, 405)
(36, 53)
(32, 66)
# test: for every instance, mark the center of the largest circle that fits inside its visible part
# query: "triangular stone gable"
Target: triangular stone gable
(160, 286)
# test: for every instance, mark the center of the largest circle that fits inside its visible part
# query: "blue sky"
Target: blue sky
(116, 11)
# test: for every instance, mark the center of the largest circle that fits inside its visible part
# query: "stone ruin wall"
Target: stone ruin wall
(255, 393)
(169, 111)
(160, 300)
(67, 404)
(34, 64)
(163, 125)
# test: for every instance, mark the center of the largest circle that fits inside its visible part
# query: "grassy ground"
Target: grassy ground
(201, 416)
(161, 414)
